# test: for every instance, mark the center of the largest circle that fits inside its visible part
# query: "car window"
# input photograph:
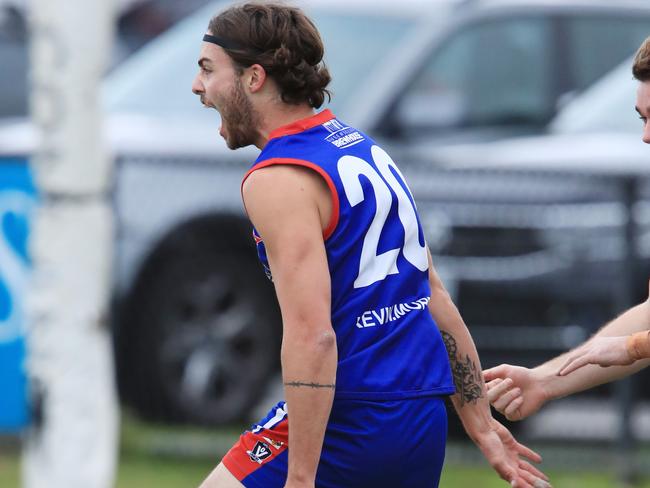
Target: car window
(599, 44)
(608, 105)
(13, 53)
(157, 79)
(354, 45)
(490, 73)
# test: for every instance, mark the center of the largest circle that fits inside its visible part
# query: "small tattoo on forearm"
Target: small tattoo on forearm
(300, 384)
(467, 378)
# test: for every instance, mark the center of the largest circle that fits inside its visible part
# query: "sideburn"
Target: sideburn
(240, 117)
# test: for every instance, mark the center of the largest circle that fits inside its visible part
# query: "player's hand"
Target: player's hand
(605, 351)
(510, 459)
(514, 391)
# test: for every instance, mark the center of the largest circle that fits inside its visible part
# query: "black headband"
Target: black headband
(228, 44)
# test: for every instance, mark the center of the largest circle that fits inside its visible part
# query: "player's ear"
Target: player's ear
(255, 78)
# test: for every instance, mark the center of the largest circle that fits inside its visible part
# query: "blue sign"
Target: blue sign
(17, 203)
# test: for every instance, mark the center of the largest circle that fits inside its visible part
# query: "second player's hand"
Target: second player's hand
(510, 459)
(514, 391)
(605, 351)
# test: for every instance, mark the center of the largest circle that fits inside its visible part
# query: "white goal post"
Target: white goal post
(70, 360)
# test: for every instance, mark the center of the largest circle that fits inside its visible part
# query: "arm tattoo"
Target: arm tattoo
(300, 384)
(468, 380)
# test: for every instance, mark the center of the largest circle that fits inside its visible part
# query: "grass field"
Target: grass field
(168, 457)
(146, 471)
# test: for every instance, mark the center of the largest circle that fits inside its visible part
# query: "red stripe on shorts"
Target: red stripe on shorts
(250, 451)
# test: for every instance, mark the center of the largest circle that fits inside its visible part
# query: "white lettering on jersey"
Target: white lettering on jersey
(385, 315)
(342, 136)
(375, 267)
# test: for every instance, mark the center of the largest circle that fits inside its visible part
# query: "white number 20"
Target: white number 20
(375, 267)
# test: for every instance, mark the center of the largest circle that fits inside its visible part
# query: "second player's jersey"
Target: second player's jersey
(388, 344)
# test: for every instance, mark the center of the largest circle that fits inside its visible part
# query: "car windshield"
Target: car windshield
(157, 79)
(608, 105)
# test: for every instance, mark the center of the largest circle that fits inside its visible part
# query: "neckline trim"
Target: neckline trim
(302, 124)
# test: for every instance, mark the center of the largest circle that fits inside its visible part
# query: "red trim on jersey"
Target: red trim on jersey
(239, 462)
(334, 219)
(302, 125)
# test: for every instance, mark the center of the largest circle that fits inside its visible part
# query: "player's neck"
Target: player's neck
(279, 116)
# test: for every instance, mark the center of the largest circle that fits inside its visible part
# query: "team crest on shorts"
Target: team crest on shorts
(259, 453)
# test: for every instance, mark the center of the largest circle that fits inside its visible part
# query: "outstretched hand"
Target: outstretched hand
(604, 351)
(514, 391)
(510, 459)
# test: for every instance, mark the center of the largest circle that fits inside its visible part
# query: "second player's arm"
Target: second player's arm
(635, 319)
(281, 204)
(539, 385)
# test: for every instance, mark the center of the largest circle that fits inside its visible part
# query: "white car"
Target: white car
(196, 323)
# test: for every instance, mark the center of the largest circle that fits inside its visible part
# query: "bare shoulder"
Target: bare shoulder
(280, 179)
(286, 188)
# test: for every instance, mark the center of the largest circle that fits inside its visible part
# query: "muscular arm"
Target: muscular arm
(282, 205)
(635, 319)
(470, 399)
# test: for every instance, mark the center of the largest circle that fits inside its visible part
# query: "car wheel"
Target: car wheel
(203, 336)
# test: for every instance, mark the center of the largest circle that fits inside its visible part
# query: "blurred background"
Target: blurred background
(513, 122)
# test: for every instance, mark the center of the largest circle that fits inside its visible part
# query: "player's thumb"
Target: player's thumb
(496, 372)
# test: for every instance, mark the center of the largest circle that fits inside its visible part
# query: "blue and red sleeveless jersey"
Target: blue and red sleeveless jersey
(389, 347)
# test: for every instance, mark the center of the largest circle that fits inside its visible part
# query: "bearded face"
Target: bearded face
(239, 120)
(219, 85)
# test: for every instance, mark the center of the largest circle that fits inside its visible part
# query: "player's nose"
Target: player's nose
(197, 86)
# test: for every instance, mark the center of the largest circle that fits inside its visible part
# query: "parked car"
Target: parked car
(575, 203)
(196, 324)
(587, 164)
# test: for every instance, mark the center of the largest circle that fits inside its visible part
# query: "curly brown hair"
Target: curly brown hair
(641, 66)
(281, 39)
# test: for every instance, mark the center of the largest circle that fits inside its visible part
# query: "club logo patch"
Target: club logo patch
(259, 453)
(340, 135)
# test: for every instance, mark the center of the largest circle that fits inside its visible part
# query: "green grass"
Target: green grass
(151, 471)
(455, 476)
(158, 472)
(155, 456)
(8, 470)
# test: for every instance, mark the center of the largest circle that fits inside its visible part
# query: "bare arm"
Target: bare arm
(470, 400)
(518, 392)
(635, 319)
(281, 203)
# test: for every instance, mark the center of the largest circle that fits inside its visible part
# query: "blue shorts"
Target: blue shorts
(374, 444)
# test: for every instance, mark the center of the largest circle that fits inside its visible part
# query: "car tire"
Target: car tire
(200, 336)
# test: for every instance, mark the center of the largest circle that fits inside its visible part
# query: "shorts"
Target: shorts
(374, 444)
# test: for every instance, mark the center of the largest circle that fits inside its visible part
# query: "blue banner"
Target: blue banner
(17, 203)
